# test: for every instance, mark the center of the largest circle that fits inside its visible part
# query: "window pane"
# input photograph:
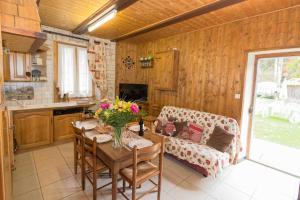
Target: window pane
(66, 69)
(84, 75)
(20, 64)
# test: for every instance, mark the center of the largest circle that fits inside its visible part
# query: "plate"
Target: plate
(101, 138)
(87, 125)
(136, 128)
(140, 143)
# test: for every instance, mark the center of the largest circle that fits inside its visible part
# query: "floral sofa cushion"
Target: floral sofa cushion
(198, 153)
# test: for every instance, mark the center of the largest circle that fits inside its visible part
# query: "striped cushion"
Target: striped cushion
(196, 132)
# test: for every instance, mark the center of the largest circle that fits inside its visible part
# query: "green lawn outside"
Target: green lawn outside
(277, 130)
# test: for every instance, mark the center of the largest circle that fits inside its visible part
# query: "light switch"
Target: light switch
(237, 96)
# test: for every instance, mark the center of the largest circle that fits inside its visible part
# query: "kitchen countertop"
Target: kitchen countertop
(49, 106)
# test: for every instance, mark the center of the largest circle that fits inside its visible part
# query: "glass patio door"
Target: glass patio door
(275, 130)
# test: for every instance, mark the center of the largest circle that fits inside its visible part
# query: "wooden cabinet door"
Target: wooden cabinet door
(62, 125)
(16, 66)
(33, 128)
(165, 75)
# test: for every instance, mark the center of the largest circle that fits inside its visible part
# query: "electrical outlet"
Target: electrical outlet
(237, 96)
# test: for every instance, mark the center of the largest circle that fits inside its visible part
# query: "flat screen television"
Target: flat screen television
(133, 92)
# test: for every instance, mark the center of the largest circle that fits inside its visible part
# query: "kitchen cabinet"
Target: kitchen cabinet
(62, 125)
(166, 70)
(17, 66)
(33, 128)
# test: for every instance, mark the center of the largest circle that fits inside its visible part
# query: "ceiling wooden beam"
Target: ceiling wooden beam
(180, 17)
(117, 4)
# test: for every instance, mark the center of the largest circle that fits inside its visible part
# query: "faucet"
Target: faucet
(18, 102)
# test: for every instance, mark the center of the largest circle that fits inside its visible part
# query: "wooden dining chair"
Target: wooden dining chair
(143, 169)
(78, 149)
(93, 163)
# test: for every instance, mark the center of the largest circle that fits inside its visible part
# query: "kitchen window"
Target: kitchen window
(74, 76)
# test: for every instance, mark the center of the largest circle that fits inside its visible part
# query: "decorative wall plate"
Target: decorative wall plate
(128, 62)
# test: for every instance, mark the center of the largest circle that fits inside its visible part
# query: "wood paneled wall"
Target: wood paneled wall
(212, 61)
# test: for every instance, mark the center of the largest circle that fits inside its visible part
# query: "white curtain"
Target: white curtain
(66, 69)
(84, 75)
(73, 75)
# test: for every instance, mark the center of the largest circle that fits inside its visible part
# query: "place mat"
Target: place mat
(87, 125)
(131, 139)
(101, 138)
(136, 128)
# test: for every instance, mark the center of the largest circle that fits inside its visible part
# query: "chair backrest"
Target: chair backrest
(149, 153)
(90, 146)
(78, 134)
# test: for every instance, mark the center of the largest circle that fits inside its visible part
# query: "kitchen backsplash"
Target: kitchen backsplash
(44, 91)
(20, 93)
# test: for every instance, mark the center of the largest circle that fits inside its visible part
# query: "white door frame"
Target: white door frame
(248, 92)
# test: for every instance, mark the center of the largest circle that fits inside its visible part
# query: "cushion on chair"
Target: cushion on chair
(99, 164)
(144, 170)
(220, 139)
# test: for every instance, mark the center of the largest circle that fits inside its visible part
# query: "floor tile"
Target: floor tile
(186, 190)
(169, 181)
(225, 192)
(153, 196)
(76, 196)
(54, 174)
(146, 186)
(49, 163)
(67, 150)
(26, 184)
(177, 168)
(205, 183)
(23, 159)
(53, 168)
(23, 171)
(61, 189)
(33, 195)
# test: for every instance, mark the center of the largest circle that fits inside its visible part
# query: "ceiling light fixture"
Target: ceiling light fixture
(102, 20)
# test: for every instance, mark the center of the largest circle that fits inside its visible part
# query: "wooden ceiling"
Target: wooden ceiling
(68, 14)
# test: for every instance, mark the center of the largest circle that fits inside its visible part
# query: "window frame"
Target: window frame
(57, 98)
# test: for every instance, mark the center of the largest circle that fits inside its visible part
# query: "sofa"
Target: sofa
(199, 156)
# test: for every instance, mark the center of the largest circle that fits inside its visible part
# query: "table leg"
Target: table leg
(114, 180)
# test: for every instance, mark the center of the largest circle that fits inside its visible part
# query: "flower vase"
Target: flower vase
(118, 143)
(101, 123)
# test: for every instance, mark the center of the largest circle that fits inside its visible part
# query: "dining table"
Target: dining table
(114, 158)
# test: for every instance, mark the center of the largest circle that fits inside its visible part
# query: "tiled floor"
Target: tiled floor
(264, 151)
(48, 174)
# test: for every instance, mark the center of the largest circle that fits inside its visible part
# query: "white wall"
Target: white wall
(44, 91)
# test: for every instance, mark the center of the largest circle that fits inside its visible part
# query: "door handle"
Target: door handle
(250, 110)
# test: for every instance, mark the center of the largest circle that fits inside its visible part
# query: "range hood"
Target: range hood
(20, 25)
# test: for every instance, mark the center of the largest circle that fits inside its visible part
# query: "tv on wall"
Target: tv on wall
(133, 92)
